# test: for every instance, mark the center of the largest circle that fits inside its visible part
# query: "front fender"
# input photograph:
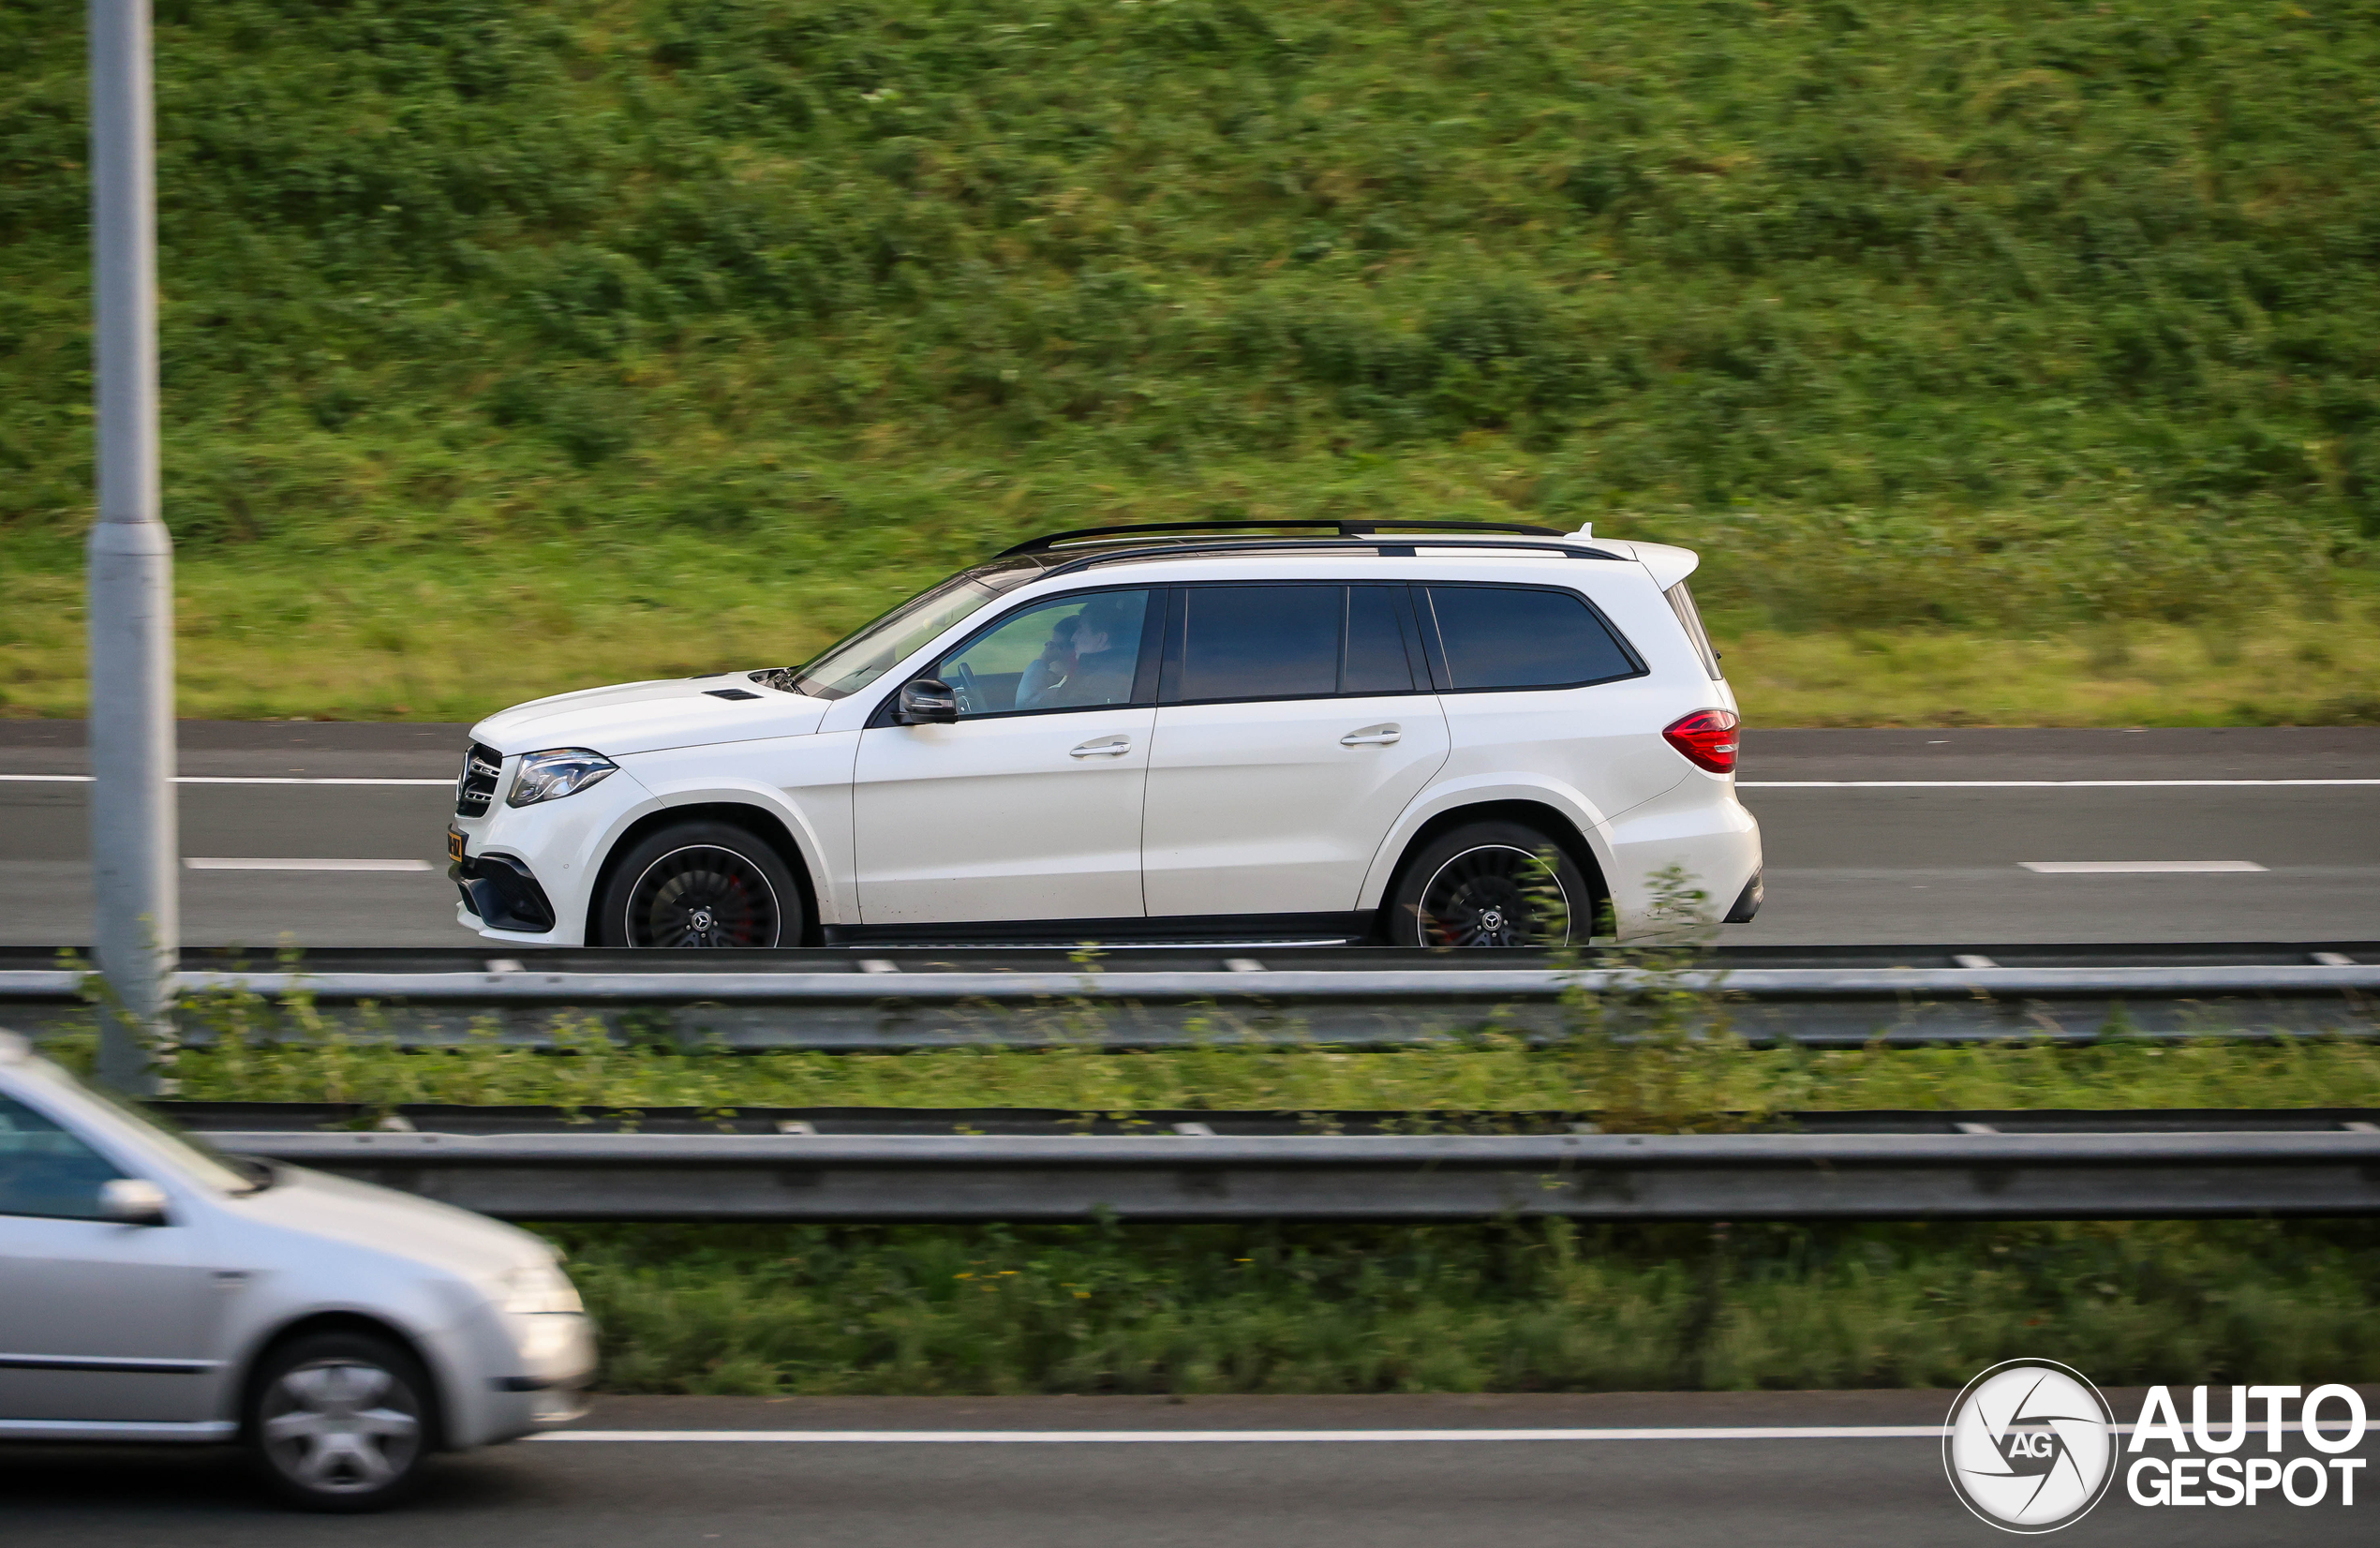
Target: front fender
(803, 782)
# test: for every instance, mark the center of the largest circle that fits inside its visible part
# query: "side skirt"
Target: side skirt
(1270, 929)
(199, 1432)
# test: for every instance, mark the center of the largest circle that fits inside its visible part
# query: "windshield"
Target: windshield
(201, 1161)
(860, 658)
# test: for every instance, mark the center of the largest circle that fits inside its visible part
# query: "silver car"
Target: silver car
(151, 1291)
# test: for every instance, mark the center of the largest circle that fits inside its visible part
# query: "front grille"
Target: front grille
(476, 788)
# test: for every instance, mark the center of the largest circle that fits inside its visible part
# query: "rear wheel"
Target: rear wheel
(698, 884)
(340, 1422)
(1491, 884)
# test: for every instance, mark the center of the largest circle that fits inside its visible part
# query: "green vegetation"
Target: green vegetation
(1666, 1085)
(1467, 1308)
(2013, 361)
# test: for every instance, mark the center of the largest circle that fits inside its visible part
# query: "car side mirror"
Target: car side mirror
(132, 1201)
(927, 701)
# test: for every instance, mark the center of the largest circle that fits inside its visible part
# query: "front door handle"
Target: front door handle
(1372, 735)
(1103, 747)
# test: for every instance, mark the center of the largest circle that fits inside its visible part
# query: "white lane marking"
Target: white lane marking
(1200, 1438)
(214, 779)
(2024, 784)
(2135, 867)
(199, 863)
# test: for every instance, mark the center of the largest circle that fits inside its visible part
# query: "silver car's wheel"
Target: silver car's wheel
(339, 1422)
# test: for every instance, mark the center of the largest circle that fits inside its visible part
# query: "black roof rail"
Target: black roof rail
(1347, 528)
(1094, 558)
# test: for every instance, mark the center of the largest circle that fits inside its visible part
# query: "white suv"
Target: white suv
(1428, 734)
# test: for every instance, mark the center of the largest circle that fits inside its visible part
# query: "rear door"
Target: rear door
(1029, 806)
(99, 1322)
(1294, 725)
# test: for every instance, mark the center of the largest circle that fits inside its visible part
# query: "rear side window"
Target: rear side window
(1690, 617)
(44, 1170)
(1511, 637)
(1259, 642)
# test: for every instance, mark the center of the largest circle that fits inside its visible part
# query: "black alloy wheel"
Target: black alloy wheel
(697, 885)
(1489, 885)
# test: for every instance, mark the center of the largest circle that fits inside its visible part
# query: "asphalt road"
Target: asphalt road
(1779, 1493)
(1873, 837)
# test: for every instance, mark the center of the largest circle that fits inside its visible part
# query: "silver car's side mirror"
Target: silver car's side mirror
(132, 1201)
(927, 702)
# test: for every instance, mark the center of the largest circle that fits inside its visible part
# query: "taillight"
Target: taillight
(1708, 738)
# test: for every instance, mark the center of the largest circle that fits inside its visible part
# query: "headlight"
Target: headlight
(561, 772)
(536, 1289)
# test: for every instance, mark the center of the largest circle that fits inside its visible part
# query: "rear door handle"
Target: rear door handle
(1103, 747)
(1372, 735)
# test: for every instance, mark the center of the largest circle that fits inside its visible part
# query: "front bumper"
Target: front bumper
(503, 893)
(554, 1367)
(525, 874)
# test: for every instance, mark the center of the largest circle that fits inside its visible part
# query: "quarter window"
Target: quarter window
(1690, 618)
(1509, 636)
(44, 1170)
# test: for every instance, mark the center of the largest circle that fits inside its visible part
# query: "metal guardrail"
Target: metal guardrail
(1377, 985)
(1065, 1122)
(1181, 1177)
(847, 1010)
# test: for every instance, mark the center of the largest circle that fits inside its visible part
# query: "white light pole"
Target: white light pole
(135, 840)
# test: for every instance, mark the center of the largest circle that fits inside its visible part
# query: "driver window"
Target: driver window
(1062, 655)
(44, 1170)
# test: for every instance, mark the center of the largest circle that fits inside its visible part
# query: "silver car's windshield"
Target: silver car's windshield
(860, 658)
(201, 1161)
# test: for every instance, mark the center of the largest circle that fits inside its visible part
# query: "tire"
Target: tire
(340, 1422)
(1489, 883)
(699, 884)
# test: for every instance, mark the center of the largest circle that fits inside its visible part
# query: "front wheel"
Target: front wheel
(1490, 884)
(699, 884)
(340, 1422)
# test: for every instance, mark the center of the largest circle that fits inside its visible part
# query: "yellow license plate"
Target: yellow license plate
(454, 843)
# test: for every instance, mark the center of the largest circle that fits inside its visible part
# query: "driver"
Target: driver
(1054, 665)
(1107, 650)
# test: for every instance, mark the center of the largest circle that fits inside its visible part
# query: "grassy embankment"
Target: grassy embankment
(2011, 362)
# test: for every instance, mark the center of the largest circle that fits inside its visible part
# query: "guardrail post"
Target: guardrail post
(135, 842)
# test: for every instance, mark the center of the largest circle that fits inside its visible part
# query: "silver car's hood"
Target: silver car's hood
(648, 717)
(421, 1230)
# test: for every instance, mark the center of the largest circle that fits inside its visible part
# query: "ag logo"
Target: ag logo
(2029, 1446)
